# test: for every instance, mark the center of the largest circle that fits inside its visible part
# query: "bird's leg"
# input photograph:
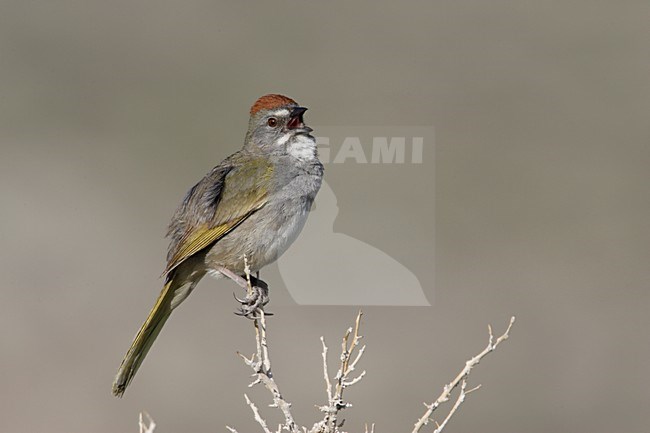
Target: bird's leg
(241, 281)
(257, 295)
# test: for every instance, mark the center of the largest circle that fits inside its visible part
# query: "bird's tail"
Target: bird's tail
(170, 296)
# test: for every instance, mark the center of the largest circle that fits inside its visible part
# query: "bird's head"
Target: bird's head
(276, 126)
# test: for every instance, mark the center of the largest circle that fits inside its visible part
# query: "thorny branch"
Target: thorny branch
(342, 379)
(148, 426)
(260, 363)
(460, 379)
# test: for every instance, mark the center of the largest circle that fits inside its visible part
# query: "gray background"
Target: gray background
(111, 110)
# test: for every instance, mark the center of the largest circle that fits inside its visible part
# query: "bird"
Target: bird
(252, 205)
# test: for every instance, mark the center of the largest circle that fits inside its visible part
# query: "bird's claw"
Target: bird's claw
(241, 301)
(254, 301)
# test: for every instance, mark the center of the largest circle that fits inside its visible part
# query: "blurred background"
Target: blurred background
(538, 206)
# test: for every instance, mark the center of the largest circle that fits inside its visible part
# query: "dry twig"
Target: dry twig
(261, 365)
(461, 378)
(147, 427)
(350, 356)
(342, 379)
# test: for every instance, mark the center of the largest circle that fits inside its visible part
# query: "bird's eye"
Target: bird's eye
(273, 122)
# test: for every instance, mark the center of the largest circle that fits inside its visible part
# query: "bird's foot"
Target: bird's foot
(256, 298)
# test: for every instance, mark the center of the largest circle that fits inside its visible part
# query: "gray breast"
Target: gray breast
(267, 234)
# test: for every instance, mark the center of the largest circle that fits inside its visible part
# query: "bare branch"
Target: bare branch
(147, 427)
(459, 400)
(342, 378)
(256, 413)
(351, 354)
(461, 378)
(328, 384)
(260, 363)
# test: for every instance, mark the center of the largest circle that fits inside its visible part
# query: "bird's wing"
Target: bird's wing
(222, 200)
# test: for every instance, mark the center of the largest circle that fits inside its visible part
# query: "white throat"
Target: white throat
(302, 147)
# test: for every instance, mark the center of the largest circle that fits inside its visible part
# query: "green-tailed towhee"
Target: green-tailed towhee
(253, 204)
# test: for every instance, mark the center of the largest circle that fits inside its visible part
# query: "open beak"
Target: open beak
(296, 122)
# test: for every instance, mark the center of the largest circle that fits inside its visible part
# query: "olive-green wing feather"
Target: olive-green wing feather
(216, 205)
